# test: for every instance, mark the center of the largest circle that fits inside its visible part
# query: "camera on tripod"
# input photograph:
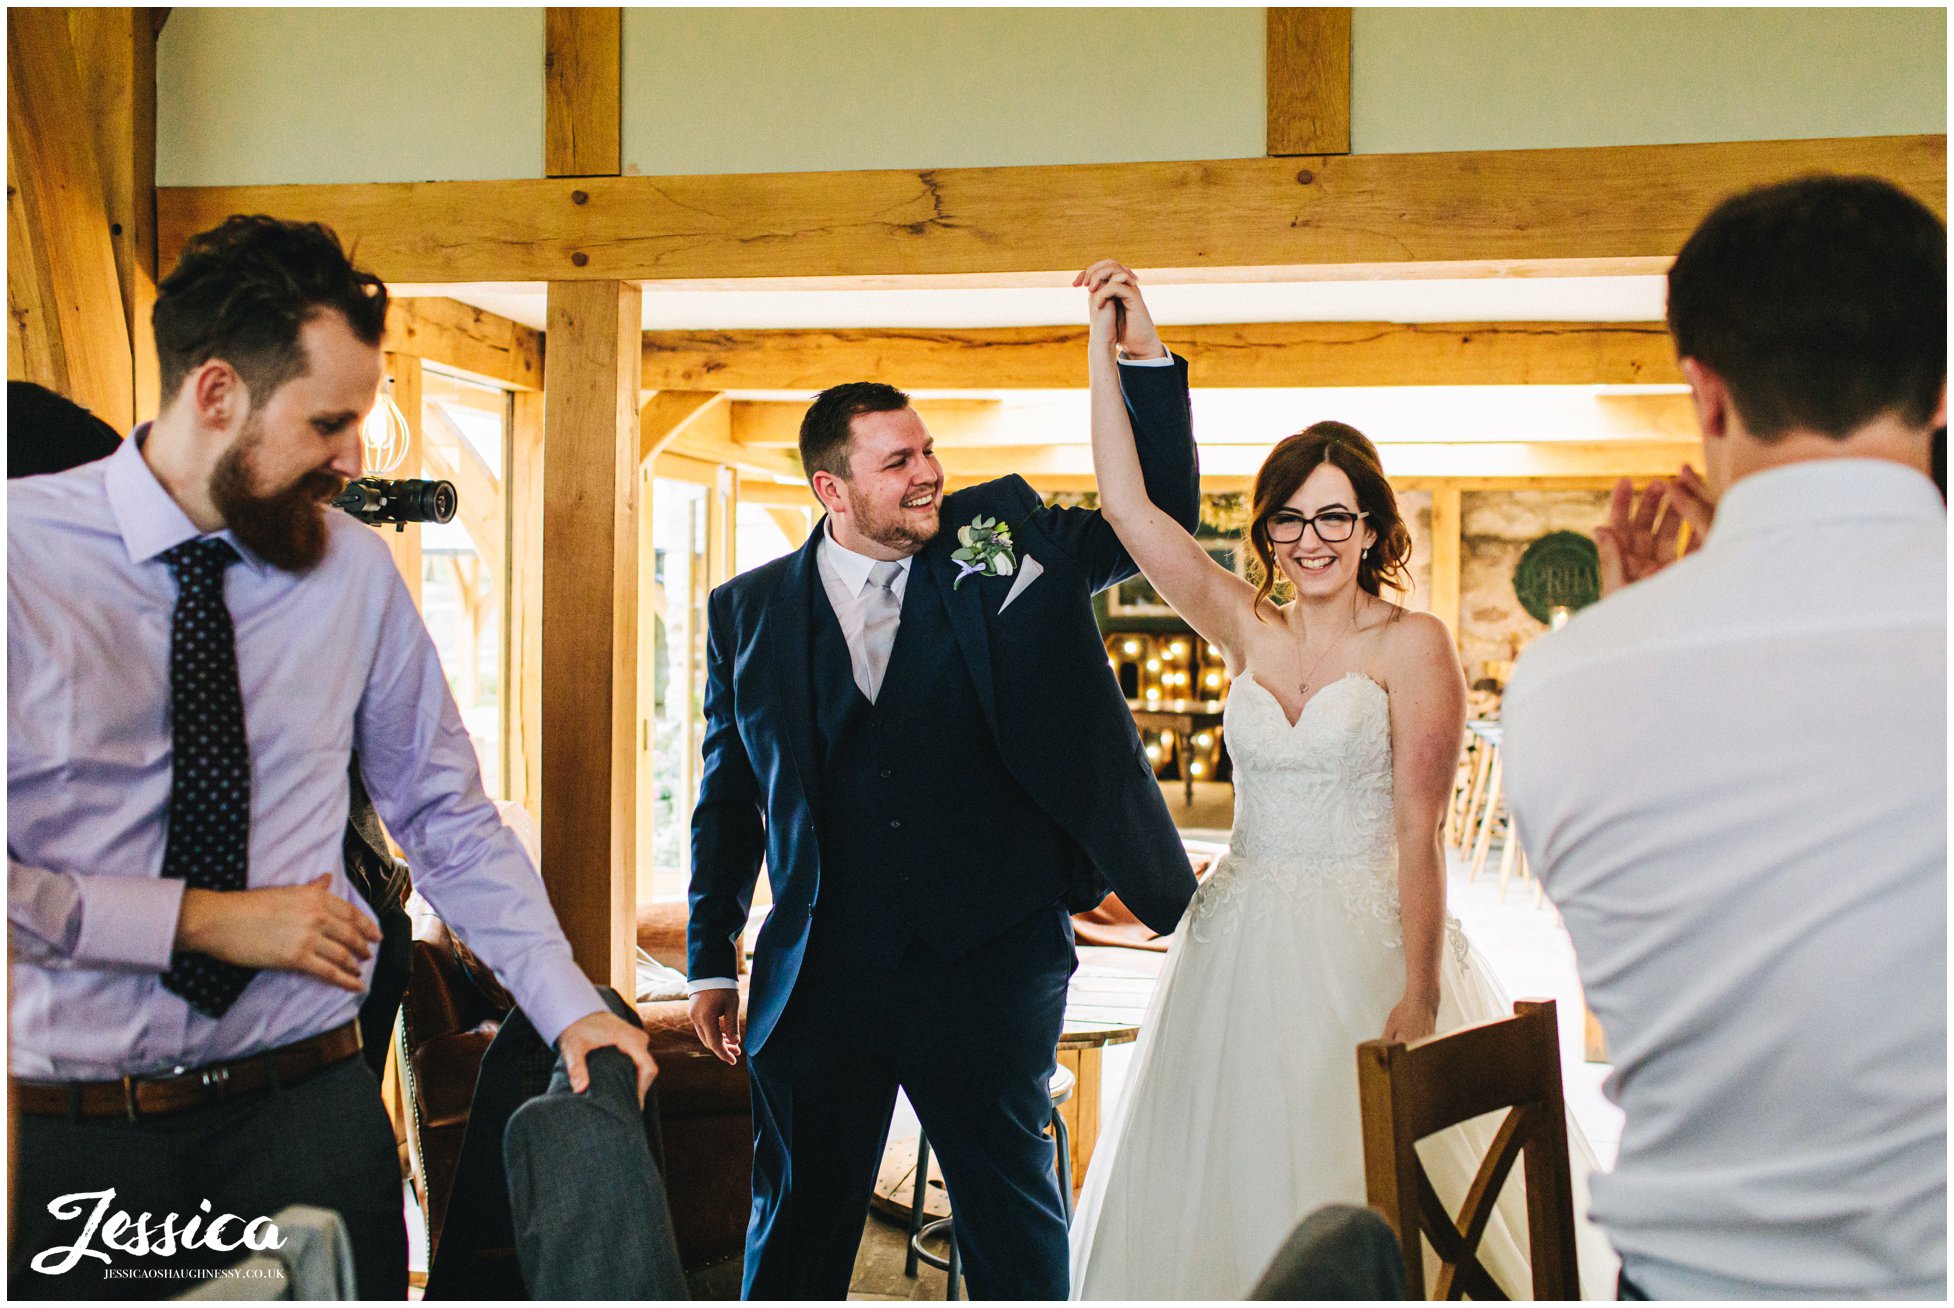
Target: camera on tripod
(377, 501)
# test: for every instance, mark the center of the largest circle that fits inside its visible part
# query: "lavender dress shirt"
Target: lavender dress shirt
(330, 660)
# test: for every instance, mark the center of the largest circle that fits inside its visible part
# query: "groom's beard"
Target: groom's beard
(902, 531)
(286, 529)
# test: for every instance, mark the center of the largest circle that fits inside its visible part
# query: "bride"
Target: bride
(1325, 924)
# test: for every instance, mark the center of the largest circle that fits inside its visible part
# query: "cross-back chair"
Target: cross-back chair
(1410, 1092)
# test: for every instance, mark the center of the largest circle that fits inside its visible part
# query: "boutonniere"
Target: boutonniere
(986, 550)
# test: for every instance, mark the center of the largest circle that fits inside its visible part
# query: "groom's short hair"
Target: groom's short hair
(827, 426)
(1821, 302)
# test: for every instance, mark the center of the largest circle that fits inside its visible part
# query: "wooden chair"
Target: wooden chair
(1492, 811)
(1481, 758)
(1413, 1091)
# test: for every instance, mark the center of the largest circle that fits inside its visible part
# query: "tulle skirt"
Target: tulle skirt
(1240, 1113)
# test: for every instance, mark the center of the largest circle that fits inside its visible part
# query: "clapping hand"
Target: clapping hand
(1641, 534)
(1118, 315)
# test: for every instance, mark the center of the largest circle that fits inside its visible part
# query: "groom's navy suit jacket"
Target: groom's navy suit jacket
(1049, 702)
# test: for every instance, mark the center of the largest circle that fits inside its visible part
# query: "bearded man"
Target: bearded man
(196, 643)
(913, 720)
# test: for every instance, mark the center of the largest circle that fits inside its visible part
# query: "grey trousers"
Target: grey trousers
(324, 1142)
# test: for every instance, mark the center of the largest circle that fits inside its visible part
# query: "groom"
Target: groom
(912, 720)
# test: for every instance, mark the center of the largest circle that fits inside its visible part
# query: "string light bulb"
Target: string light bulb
(385, 435)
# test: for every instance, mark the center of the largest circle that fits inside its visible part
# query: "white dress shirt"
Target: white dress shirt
(1732, 780)
(844, 575)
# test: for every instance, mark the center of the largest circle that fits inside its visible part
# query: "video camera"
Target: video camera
(377, 501)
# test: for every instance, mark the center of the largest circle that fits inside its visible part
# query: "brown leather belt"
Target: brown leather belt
(151, 1096)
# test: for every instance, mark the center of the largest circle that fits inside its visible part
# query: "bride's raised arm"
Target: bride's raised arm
(1213, 600)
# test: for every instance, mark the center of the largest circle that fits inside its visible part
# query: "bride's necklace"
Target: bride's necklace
(1303, 682)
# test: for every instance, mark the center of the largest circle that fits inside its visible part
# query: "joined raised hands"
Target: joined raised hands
(1117, 313)
(1641, 535)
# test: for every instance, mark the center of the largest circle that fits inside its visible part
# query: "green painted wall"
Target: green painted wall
(1489, 79)
(327, 95)
(348, 95)
(782, 90)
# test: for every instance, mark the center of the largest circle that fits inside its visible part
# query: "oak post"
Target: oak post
(590, 611)
(1309, 81)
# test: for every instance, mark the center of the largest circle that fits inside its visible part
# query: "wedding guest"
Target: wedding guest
(195, 643)
(48, 432)
(1731, 774)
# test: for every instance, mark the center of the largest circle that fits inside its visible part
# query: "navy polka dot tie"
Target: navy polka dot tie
(210, 772)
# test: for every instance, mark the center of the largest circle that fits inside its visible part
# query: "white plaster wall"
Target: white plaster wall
(791, 90)
(392, 94)
(1495, 79)
(264, 96)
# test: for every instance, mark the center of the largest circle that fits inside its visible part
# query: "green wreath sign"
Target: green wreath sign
(1560, 570)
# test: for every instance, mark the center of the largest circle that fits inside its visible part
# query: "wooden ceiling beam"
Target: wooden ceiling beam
(466, 339)
(1620, 208)
(669, 412)
(958, 424)
(1479, 460)
(1058, 484)
(776, 424)
(1227, 355)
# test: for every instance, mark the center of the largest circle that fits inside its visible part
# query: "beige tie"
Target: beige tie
(881, 613)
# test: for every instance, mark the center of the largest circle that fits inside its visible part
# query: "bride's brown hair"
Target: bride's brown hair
(1289, 465)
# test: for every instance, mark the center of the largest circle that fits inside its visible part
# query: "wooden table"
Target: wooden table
(1182, 717)
(1103, 1006)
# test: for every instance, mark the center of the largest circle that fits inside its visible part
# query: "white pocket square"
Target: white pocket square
(1029, 570)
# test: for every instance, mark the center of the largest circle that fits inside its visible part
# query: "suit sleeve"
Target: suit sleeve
(1163, 434)
(728, 830)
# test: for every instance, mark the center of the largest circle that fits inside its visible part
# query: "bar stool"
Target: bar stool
(1062, 1084)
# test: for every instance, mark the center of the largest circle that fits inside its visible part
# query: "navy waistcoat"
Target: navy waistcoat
(923, 831)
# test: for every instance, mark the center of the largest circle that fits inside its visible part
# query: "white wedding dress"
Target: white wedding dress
(1240, 1113)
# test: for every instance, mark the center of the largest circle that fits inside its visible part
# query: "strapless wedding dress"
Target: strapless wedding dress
(1240, 1113)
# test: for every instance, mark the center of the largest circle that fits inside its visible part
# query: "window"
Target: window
(464, 435)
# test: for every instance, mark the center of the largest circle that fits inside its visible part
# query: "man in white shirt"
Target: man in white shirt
(1731, 775)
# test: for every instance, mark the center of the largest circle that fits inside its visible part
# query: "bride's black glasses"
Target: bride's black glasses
(1333, 526)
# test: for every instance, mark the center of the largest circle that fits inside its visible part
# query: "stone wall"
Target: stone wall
(1416, 506)
(1497, 527)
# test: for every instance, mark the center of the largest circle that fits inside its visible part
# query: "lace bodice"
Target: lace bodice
(1313, 807)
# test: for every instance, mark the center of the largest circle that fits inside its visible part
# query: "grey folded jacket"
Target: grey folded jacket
(587, 1200)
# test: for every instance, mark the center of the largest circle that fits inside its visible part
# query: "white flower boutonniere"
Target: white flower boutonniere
(986, 550)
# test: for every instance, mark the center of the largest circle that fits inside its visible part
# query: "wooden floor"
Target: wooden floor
(878, 1266)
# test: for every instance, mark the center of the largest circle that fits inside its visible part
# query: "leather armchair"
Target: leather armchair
(448, 1020)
